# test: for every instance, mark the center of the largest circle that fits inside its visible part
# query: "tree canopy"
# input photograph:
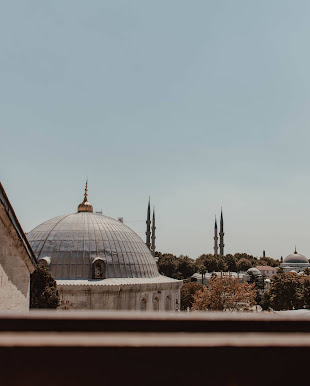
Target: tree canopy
(188, 291)
(181, 267)
(243, 264)
(286, 291)
(43, 289)
(225, 294)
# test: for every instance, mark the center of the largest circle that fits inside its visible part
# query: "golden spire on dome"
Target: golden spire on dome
(85, 206)
(85, 194)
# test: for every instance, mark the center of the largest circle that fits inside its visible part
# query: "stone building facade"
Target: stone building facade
(17, 260)
(145, 294)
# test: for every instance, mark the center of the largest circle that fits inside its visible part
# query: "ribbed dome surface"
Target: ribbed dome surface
(73, 242)
(296, 258)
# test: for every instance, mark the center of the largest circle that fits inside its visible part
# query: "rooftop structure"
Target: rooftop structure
(295, 262)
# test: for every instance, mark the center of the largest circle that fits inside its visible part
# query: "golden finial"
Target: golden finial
(85, 206)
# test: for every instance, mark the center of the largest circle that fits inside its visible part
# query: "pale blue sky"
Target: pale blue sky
(200, 104)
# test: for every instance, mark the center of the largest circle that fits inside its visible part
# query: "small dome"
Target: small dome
(295, 258)
(253, 271)
(85, 206)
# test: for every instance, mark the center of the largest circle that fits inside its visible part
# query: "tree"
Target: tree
(268, 261)
(186, 266)
(168, 264)
(220, 264)
(43, 289)
(209, 261)
(286, 291)
(243, 265)
(307, 271)
(243, 255)
(306, 290)
(202, 270)
(265, 301)
(231, 263)
(225, 294)
(200, 260)
(188, 291)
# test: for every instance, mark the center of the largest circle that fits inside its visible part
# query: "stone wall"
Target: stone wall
(147, 296)
(14, 268)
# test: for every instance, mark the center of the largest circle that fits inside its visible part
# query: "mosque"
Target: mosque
(100, 263)
(295, 262)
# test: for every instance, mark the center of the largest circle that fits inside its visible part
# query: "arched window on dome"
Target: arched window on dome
(168, 303)
(156, 304)
(99, 269)
(143, 304)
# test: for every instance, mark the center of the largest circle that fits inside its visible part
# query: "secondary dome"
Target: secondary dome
(254, 272)
(295, 258)
(74, 242)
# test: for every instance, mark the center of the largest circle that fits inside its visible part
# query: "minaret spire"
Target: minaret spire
(215, 239)
(148, 226)
(222, 235)
(153, 247)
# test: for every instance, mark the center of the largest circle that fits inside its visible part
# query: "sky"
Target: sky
(199, 104)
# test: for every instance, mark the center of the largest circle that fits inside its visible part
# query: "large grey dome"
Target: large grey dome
(74, 241)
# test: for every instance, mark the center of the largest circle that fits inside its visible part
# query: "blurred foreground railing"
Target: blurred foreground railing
(124, 348)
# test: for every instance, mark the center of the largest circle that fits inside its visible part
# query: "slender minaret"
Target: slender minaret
(153, 247)
(222, 235)
(216, 246)
(148, 226)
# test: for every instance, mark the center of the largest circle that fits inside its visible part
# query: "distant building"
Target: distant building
(197, 277)
(295, 262)
(17, 260)
(267, 271)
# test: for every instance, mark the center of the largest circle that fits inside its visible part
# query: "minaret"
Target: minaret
(153, 234)
(215, 239)
(148, 227)
(222, 235)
